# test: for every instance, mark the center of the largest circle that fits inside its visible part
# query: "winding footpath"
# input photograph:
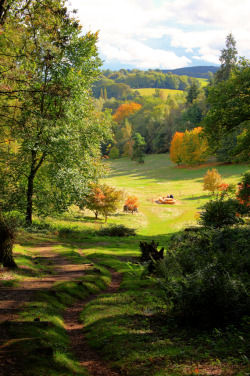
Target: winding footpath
(12, 300)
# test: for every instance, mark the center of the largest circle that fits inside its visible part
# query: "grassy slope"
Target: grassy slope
(158, 176)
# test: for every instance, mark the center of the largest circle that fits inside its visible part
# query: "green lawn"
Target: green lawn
(158, 176)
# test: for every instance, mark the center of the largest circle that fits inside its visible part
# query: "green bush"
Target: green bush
(220, 213)
(205, 276)
(116, 230)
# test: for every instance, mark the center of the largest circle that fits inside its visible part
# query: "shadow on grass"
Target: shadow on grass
(197, 198)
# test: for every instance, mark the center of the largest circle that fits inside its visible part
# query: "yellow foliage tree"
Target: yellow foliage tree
(195, 147)
(189, 148)
(212, 181)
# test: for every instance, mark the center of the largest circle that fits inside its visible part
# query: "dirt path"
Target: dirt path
(12, 299)
(87, 357)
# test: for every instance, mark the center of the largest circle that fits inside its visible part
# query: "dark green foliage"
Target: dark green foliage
(229, 107)
(116, 230)
(138, 148)
(226, 151)
(193, 92)
(206, 276)
(7, 235)
(198, 72)
(219, 212)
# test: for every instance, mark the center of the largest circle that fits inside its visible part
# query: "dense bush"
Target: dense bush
(220, 212)
(205, 276)
(116, 230)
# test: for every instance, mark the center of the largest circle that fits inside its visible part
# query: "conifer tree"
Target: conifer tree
(228, 59)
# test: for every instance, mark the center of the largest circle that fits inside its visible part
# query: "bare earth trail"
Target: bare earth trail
(12, 300)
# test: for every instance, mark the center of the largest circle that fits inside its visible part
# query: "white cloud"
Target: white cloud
(136, 53)
(198, 27)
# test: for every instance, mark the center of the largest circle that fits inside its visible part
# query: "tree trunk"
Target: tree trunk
(6, 244)
(35, 165)
(30, 191)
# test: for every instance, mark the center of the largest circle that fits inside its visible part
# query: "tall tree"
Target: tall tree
(229, 105)
(228, 59)
(138, 148)
(193, 92)
(47, 68)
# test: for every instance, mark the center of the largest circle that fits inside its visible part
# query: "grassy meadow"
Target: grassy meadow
(128, 329)
(146, 92)
(158, 176)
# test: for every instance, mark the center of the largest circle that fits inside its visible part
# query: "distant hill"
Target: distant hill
(198, 72)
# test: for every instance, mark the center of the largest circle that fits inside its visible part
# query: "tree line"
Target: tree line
(119, 83)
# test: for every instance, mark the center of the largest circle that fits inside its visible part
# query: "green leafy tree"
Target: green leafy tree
(47, 68)
(229, 106)
(138, 148)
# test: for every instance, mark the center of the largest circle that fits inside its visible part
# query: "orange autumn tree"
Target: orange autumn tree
(189, 148)
(103, 199)
(125, 110)
(132, 203)
(176, 148)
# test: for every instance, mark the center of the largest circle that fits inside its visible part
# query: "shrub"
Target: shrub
(205, 276)
(132, 203)
(219, 213)
(116, 230)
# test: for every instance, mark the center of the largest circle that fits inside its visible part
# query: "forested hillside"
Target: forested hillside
(198, 72)
(196, 108)
(118, 83)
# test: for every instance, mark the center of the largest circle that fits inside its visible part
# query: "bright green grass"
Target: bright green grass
(151, 91)
(158, 176)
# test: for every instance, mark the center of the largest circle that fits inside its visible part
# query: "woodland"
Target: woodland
(98, 274)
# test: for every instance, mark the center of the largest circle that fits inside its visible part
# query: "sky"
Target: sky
(164, 34)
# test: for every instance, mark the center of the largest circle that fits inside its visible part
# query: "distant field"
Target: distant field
(203, 81)
(150, 91)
